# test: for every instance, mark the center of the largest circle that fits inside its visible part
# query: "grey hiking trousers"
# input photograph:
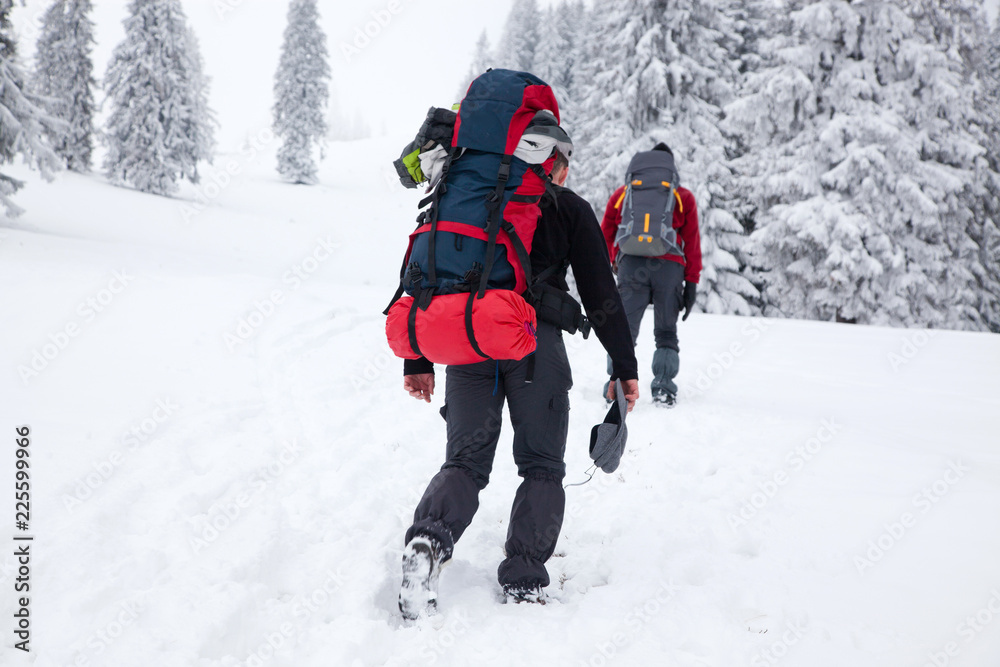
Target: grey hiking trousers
(539, 413)
(648, 280)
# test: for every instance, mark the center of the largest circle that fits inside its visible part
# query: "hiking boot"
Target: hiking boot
(530, 593)
(421, 566)
(664, 399)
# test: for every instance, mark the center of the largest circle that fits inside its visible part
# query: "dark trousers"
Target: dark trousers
(647, 280)
(539, 413)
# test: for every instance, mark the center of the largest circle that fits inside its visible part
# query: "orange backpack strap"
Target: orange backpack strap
(618, 204)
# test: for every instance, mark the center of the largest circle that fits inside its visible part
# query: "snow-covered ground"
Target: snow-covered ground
(224, 463)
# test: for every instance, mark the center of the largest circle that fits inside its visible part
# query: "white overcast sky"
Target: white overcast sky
(415, 61)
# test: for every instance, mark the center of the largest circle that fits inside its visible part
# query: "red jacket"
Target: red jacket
(685, 222)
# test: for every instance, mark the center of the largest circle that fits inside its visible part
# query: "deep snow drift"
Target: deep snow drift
(224, 462)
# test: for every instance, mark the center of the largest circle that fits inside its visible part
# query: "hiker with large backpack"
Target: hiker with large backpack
(651, 229)
(486, 294)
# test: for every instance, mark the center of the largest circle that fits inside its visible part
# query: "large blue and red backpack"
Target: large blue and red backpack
(467, 264)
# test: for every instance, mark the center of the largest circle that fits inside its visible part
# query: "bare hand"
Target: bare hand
(420, 386)
(631, 389)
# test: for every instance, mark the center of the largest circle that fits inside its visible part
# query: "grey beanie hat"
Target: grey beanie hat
(607, 440)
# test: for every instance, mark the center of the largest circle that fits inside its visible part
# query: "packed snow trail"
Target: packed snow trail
(225, 462)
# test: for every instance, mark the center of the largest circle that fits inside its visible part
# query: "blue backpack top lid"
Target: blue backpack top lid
(498, 107)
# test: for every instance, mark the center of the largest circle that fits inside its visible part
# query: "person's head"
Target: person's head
(663, 147)
(560, 170)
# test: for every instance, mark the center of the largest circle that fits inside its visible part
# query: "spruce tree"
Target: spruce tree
(988, 211)
(301, 93)
(482, 60)
(861, 155)
(554, 53)
(23, 122)
(516, 49)
(202, 119)
(953, 127)
(64, 79)
(661, 70)
(159, 128)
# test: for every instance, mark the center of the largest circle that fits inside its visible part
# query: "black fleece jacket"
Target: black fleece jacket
(569, 231)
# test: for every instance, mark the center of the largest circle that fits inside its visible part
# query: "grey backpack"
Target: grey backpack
(647, 227)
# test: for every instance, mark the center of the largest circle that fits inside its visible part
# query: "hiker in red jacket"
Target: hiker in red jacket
(669, 281)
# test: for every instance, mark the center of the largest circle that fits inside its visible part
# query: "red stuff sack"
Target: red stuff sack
(503, 322)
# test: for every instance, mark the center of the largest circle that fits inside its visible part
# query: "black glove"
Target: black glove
(690, 293)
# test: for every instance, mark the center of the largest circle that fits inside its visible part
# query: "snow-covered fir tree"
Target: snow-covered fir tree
(562, 34)
(159, 126)
(23, 123)
(989, 212)
(520, 38)
(959, 29)
(661, 70)
(993, 51)
(482, 60)
(64, 79)
(554, 51)
(860, 151)
(203, 122)
(301, 93)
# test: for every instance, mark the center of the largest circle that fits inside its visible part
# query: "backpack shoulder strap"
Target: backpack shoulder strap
(550, 271)
(495, 203)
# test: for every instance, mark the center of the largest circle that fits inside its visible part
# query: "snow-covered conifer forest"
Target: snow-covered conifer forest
(843, 154)
(200, 225)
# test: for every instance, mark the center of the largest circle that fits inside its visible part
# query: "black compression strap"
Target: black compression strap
(395, 298)
(521, 251)
(552, 270)
(526, 199)
(529, 376)
(436, 201)
(495, 203)
(550, 187)
(399, 290)
(468, 325)
(411, 325)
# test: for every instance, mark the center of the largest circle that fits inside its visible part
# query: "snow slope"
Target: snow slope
(211, 494)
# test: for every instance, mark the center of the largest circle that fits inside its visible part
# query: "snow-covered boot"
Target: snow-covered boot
(530, 593)
(421, 567)
(664, 399)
